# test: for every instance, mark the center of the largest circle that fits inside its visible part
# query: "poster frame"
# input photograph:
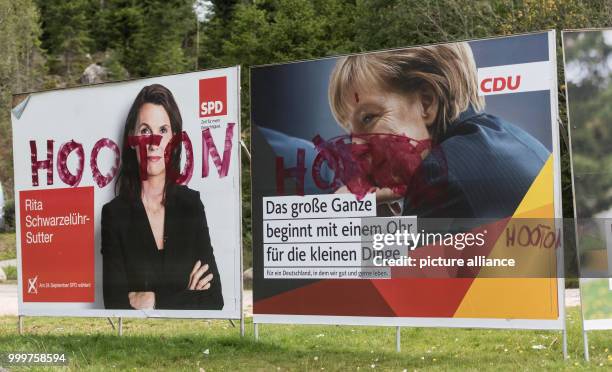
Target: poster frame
(557, 324)
(587, 324)
(237, 314)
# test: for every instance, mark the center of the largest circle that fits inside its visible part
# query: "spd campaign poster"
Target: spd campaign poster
(127, 198)
(588, 76)
(414, 186)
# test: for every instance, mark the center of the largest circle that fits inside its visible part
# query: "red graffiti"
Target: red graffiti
(208, 147)
(184, 177)
(298, 172)
(41, 164)
(62, 167)
(362, 163)
(368, 161)
(141, 142)
(100, 179)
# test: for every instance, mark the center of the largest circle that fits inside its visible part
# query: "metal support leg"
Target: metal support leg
(120, 326)
(232, 323)
(110, 321)
(256, 331)
(242, 326)
(565, 355)
(398, 346)
(20, 325)
(585, 338)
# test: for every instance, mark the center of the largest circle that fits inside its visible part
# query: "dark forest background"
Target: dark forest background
(51, 43)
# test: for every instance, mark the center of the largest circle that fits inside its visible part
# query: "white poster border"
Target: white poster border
(38, 309)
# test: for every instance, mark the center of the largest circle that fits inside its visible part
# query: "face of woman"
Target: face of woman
(153, 119)
(377, 110)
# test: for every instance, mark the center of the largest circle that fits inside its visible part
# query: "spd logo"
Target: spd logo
(213, 97)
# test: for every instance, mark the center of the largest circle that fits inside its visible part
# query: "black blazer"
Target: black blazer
(482, 168)
(132, 262)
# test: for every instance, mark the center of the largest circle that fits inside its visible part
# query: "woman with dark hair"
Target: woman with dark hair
(155, 243)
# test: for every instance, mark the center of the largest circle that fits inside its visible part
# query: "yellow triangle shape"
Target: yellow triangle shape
(519, 297)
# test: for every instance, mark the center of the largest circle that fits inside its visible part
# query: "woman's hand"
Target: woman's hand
(196, 282)
(142, 300)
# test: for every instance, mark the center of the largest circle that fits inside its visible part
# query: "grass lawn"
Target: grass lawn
(157, 344)
(7, 246)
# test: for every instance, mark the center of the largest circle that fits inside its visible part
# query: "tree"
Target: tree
(149, 37)
(21, 69)
(66, 34)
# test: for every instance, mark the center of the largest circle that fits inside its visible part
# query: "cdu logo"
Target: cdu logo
(500, 83)
(518, 78)
(213, 96)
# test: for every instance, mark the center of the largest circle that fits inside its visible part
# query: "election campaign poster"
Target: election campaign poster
(416, 186)
(127, 198)
(588, 76)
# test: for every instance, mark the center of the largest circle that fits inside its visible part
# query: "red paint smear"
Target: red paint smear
(298, 173)
(99, 178)
(62, 166)
(41, 164)
(142, 142)
(175, 175)
(209, 148)
(364, 162)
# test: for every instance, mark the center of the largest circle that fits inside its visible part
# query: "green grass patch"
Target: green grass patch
(7, 246)
(11, 272)
(596, 299)
(157, 344)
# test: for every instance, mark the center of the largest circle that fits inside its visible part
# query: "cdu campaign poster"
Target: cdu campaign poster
(127, 198)
(415, 186)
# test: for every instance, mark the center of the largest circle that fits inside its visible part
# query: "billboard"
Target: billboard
(588, 84)
(128, 198)
(404, 187)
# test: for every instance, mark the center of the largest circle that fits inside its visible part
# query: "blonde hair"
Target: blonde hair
(448, 70)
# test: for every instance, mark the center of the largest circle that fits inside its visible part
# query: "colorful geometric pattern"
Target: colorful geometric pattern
(475, 297)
